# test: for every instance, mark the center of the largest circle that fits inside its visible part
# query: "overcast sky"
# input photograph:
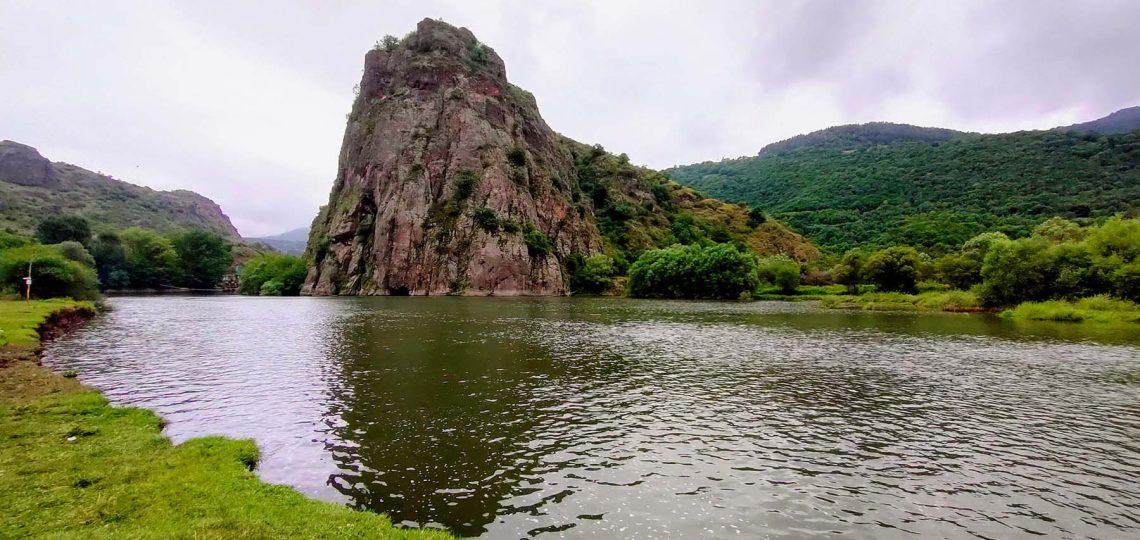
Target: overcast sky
(245, 102)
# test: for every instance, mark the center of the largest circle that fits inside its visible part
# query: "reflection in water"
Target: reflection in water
(515, 417)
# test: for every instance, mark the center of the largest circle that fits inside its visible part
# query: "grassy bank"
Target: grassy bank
(72, 465)
(1097, 309)
(953, 301)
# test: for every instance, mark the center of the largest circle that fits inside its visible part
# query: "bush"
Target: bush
(893, 269)
(287, 271)
(537, 243)
(959, 270)
(719, 271)
(53, 275)
(594, 274)
(517, 156)
(486, 219)
(11, 240)
(75, 251)
(465, 183)
(110, 260)
(780, 271)
(849, 271)
(54, 230)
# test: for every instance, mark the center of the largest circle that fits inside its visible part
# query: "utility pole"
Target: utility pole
(28, 283)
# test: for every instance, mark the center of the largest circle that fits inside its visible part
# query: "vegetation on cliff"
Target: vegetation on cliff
(931, 194)
(74, 466)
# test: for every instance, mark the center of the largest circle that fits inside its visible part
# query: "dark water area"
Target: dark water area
(619, 418)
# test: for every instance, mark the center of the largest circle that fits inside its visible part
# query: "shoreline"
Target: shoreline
(73, 464)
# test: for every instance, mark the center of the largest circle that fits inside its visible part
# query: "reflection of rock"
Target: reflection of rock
(435, 427)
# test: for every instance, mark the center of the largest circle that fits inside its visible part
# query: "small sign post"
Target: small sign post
(28, 285)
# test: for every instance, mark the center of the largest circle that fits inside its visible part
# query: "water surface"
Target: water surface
(605, 417)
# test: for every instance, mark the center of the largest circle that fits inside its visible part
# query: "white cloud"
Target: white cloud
(244, 102)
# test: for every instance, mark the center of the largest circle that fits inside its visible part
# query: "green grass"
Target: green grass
(18, 320)
(1096, 309)
(73, 466)
(954, 301)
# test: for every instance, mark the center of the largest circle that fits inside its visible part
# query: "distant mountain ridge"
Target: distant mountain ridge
(33, 187)
(1122, 121)
(292, 242)
(858, 135)
(871, 185)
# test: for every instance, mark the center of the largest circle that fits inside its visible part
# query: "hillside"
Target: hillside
(931, 193)
(450, 182)
(32, 187)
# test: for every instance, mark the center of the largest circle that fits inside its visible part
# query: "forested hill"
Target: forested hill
(931, 193)
(32, 188)
(859, 135)
(1121, 121)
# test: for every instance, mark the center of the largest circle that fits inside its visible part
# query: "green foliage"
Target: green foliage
(932, 194)
(11, 240)
(75, 251)
(849, 271)
(149, 258)
(756, 217)
(953, 301)
(486, 219)
(537, 243)
(110, 261)
(54, 230)
(387, 43)
(1101, 309)
(959, 270)
(465, 184)
(718, 271)
(53, 274)
(594, 274)
(1059, 229)
(273, 274)
(517, 156)
(893, 269)
(203, 258)
(780, 271)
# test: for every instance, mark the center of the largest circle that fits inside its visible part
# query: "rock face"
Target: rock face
(449, 181)
(33, 187)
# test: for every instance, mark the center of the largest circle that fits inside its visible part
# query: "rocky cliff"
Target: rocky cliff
(33, 187)
(450, 182)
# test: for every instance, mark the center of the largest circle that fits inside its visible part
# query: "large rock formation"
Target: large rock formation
(450, 182)
(32, 187)
(446, 171)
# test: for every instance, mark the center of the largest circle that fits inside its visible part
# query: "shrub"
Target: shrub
(288, 271)
(53, 275)
(465, 183)
(849, 271)
(893, 269)
(271, 288)
(537, 243)
(486, 219)
(959, 270)
(517, 156)
(756, 217)
(11, 240)
(54, 230)
(75, 251)
(593, 274)
(719, 271)
(780, 271)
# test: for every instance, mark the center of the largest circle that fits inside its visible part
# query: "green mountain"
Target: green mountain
(844, 188)
(32, 187)
(1121, 121)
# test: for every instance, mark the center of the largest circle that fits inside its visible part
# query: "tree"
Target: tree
(718, 271)
(53, 275)
(893, 269)
(1059, 229)
(593, 275)
(849, 271)
(54, 230)
(150, 260)
(1015, 271)
(959, 270)
(110, 261)
(780, 271)
(273, 274)
(203, 258)
(75, 251)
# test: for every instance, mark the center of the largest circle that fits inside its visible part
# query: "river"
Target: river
(646, 419)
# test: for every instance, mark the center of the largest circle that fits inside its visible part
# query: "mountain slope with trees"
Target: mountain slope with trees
(32, 188)
(932, 194)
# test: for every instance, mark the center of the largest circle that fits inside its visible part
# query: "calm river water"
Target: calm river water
(619, 418)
